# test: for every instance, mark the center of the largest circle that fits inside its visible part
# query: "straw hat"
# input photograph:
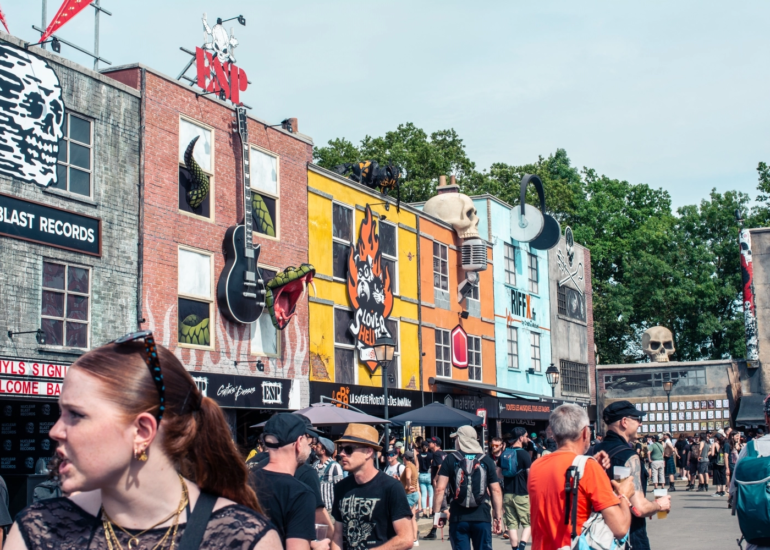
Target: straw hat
(361, 434)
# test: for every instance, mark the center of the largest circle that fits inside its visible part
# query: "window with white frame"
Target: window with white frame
(344, 348)
(513, 348)
(195, 299)
(510, 264)
(265, 338)
(389, 251)
(533, 278)
(443, 353)
(65, 311)
(342, 238)
(265, 192)
(75, 162)
(440, 266)
(534, 344)
(474, 358)
(192, 186)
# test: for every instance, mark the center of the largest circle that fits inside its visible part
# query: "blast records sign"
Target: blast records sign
(24, 429)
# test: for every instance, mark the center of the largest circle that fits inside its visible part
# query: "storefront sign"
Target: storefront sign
(30, 368)
(38, 223)
(522, 409)
(29, 387)
(245, 392)
(468, 403)
(369, 399)
(523, 307)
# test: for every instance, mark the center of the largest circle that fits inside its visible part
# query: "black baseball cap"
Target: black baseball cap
(434, 439)
(286, 428)
(621, 409)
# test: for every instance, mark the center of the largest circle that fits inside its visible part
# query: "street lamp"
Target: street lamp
(552, 375)
(667, 387)
(384, 348)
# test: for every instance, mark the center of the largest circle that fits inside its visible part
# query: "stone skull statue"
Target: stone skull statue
(658, 343)
(454, 208)
(31, 116)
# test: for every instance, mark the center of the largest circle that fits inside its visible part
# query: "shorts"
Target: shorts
(413, 499)
(516, 511)
(670, 467)
(703, 466)
(657, 472)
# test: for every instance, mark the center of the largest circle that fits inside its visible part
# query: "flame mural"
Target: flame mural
(749, 307)
(369, 288)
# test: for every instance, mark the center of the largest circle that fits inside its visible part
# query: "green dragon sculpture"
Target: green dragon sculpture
(194, 330)
(285, 290)
(200, 181)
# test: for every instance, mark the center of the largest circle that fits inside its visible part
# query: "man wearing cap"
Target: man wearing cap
(289, 503)
(437, 458)
(329, 471)
(623, 419)
(370, 507)
(469, 524)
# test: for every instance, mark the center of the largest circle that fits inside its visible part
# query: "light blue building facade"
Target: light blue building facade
(522, 303)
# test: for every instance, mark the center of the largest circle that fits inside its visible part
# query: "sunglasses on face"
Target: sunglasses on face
(153, 363)
(347, 449)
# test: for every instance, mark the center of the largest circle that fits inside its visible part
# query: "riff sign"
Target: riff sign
(38, 223)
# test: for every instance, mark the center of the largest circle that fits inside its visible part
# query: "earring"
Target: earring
(143, 456)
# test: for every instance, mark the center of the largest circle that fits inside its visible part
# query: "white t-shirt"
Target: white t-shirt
(396, 470)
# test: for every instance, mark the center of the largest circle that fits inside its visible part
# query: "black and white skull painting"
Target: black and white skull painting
(46, 409)
(30, 427)
(31, 116)
(29, 462)
(45, 444)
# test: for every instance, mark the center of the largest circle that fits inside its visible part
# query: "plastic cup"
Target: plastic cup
(658, 493)
(320, 531)
(621, 472)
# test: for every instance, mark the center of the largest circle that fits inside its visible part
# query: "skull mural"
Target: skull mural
(29, 462)
(31, 117)
(658, 343)
(454, 208)
(220, 44)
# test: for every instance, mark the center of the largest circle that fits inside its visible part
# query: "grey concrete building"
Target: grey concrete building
(69, 213)
(572, 324)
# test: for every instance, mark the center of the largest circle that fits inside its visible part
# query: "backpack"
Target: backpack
(595, 535)
(470, 481)
(752, 501)
(509, 463)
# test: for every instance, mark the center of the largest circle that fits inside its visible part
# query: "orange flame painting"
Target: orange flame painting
(369, 288)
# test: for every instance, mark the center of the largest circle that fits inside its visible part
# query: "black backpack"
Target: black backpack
(470, 481)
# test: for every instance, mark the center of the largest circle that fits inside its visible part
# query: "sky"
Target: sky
(672, 94)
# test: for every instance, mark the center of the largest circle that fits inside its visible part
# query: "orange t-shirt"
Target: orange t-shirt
(546, 498)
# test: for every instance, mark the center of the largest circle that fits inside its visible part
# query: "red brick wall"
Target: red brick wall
(165, 227)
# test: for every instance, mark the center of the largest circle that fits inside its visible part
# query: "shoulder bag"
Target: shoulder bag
(197, 522)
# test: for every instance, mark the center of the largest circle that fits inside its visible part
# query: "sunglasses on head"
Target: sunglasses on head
(348, 449)
(153, 363)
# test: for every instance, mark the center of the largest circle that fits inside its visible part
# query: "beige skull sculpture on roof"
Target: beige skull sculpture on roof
(658, 343)
(455, 208)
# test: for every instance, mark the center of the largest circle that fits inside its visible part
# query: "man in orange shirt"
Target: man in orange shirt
(571, 430)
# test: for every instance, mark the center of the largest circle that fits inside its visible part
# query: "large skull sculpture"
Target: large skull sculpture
(456, 209)
(658, 343)
(31, 116)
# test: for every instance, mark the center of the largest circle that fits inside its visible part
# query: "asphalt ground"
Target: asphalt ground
(698, 521)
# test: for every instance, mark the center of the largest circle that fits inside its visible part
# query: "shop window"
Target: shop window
(344, 348)
(204, 158)
(574, 377)
(66, 299)
(74, 168)
(342, 237)
(195, 299)
(265, 338)
(534, 342)
(513, 348)
(265, 192)
(510, 264)
(389, 251)
(440, 266)
(474, 358)
(443, 353)
(533, 277)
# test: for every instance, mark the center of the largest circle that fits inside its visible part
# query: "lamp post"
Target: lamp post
(667, 387)
(384, 348)
(552, 375)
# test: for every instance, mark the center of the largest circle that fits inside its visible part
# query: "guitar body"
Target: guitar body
(241, 290)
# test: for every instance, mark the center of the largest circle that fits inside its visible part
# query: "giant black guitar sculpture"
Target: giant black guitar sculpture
(241, 290)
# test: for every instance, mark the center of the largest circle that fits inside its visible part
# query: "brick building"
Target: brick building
(69, 174)
(181, 245)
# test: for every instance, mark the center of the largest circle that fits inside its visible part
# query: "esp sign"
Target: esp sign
(226, 79)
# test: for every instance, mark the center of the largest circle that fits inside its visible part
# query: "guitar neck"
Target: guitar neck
(243, 133)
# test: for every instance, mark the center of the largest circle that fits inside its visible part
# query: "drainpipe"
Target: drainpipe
(419, 309)
(140, 235)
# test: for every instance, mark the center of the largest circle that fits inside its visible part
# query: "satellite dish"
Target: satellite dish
(550, 235)
(527, 227)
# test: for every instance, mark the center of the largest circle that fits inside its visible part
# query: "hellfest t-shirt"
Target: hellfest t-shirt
(461, 513)
(367, 511)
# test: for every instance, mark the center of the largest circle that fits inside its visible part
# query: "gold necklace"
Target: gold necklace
(110, 535)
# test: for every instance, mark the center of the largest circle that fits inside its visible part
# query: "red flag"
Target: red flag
(68, 10)
(2, 20)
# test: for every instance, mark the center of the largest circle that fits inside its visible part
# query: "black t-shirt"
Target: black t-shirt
(460, 513)
(309, 476)
(517, 485)
(438, 459)
(5, 517)
(425, 461)
(367, 511)
(287, 502)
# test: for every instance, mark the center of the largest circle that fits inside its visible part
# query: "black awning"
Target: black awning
(477, 386)
(751, 411)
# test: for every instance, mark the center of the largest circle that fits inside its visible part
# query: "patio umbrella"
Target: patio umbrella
(328, 414)
(439, 416)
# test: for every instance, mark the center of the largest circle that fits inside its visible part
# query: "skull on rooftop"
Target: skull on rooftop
(456, 209)
(658, 343)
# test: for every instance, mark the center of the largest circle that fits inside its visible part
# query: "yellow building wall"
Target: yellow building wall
(320, 255)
